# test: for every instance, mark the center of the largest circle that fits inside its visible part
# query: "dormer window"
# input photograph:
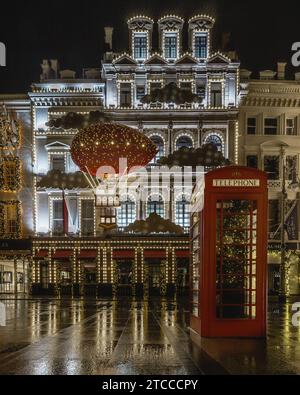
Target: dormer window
(200, 46)
(170, 47)
(140, 46)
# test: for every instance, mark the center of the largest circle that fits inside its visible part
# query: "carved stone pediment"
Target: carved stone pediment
(125, 60)
(171, 23)
(140, 23)
(201, 22)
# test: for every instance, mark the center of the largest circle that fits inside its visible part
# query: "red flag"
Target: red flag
(65, 215)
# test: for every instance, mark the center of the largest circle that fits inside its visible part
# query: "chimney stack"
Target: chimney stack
(108, 38)
(281, 70)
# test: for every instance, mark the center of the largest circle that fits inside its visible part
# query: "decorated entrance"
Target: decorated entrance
(229, 254)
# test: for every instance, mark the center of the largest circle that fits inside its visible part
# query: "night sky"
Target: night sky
(72, 31)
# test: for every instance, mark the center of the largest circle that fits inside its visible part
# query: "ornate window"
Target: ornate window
(270, 126)
(126, 214)
(10, 179)
(291, 166)
(216, 140)
(216, 94)
(58, 217)
(290, 127)
(201, 45)
(140, 46)
(251, 125)
(182, 213)
(271, 166)
(10, 219)
(170, 45)
(155, 204)
(184, 141)
(252, 161)
(140, 92)
(159, 142)
(87, 217)
(125, 94)
(58, 162)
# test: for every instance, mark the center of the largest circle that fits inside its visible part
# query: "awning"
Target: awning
(87, 254)
(182, 253)
(155, 254)
(41, 254)
(123, 254)
(62, 254)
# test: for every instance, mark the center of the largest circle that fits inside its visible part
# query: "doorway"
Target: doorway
(89, 278)
(155, 277)
(124, 277)
(182, 280)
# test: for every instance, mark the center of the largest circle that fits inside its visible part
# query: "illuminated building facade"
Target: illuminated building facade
(181, 94)
(269, 140)
(16, 222)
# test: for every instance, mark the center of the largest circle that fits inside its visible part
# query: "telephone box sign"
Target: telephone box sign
(236, 183)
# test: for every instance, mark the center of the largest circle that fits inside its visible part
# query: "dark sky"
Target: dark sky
(262, 31)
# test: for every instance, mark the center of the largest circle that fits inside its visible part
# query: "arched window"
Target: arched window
(156, 205)
(215, 140)
(159, 142)
(184, 141)
(182, 215)
(126, 214)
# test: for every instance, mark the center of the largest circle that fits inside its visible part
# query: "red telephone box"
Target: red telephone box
(229, 254)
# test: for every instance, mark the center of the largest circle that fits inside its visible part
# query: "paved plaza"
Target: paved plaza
(95, 337)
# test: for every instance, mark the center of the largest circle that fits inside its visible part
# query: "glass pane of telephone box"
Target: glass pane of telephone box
(236, 241)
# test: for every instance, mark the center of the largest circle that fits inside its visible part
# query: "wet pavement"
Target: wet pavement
(45, 337)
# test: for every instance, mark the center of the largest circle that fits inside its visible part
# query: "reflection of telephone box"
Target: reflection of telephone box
(229, 254)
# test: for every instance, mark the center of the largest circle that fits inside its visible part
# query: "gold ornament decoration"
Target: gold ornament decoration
(104, 144)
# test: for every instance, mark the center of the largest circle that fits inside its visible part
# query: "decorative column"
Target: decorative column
(170, 136)
(79, 277)
(15, 275)
(98, 267)
(200, 130)
(56, 279)
(171, 202)
(73, 270)
(138, 272)
(170, 286)
(111, 273)
(51, 277)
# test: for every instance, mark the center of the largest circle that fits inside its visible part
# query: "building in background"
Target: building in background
(269, 127)
(180, 94)
(16, 221)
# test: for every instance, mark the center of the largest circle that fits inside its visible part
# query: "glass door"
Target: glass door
(236, 246)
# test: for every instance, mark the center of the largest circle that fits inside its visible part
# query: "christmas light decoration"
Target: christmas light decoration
(104, 144)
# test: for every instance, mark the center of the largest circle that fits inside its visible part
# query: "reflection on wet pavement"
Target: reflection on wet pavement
(131, 337)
